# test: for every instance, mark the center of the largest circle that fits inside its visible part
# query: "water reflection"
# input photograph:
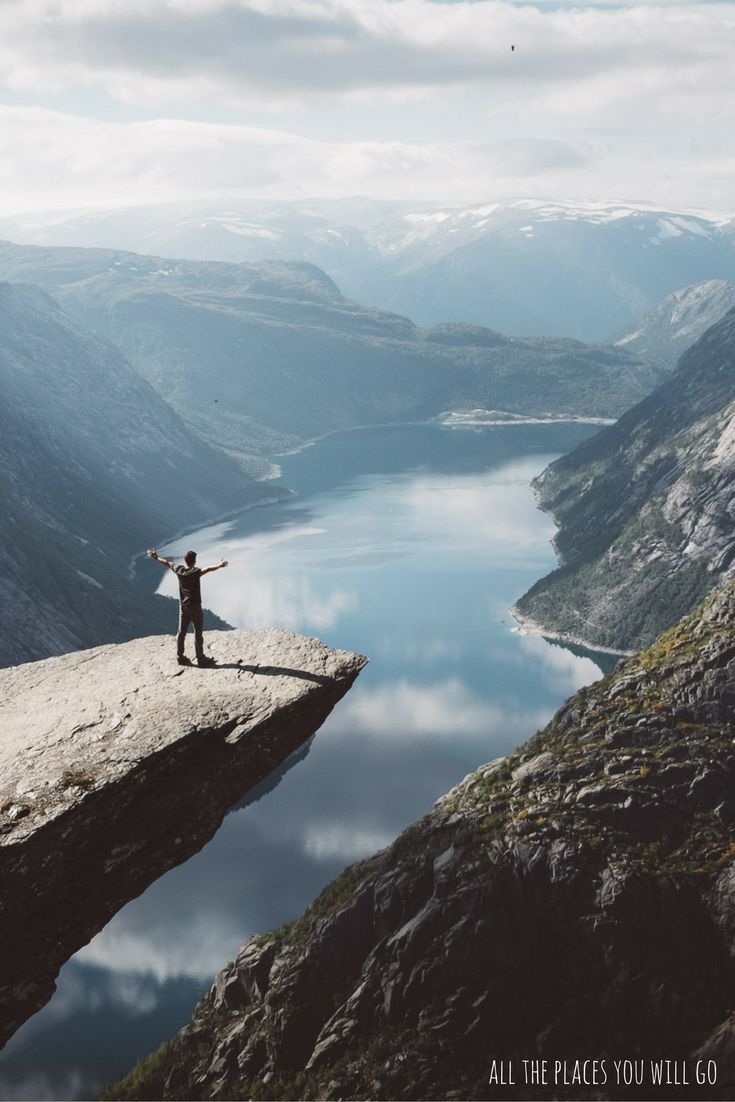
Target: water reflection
(559, 667)
(414, 712)
(407, 545)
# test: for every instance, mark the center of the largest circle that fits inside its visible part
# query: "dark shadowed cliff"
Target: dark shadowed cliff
(94, 466)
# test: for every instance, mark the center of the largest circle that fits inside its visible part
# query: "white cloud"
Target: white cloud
(131, 955)
(256, 591)
(65, 161)
(44, 1086)
(249, 50)
(327, 841)
(387, 98)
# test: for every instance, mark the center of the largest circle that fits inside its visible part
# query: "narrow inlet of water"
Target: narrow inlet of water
(408, 544)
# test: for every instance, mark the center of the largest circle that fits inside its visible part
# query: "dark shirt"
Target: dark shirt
(190, 592)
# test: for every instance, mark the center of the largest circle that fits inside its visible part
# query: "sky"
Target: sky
(108, 103)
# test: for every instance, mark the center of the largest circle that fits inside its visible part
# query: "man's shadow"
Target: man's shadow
(273, 671)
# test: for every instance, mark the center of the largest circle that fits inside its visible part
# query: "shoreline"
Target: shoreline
(527, 626)
(503, 419)
(230, 514)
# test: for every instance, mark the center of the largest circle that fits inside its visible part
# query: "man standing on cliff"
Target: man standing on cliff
(190, 604)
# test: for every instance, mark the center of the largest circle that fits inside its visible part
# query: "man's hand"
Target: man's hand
(211, 569)
(157, 558)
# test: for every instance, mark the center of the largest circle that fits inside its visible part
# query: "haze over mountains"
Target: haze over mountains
(525, 267)
(256, 356)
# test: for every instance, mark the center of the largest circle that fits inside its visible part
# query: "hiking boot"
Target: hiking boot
(206, 661)
(184, 661)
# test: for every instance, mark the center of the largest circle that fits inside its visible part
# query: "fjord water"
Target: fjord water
(408, 544)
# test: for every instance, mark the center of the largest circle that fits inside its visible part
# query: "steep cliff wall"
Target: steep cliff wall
(575, 900)
(94, 466)
(645, 508)
(116, 764)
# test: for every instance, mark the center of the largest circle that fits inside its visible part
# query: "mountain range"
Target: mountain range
(245, 359)
(526, 267)
(258, 356)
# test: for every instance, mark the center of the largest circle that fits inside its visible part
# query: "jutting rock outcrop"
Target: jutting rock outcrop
(574, 900)
(117, 764)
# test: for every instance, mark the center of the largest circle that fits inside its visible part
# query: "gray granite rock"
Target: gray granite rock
(116, 764)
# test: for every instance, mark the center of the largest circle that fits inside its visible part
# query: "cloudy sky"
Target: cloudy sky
(111, 102)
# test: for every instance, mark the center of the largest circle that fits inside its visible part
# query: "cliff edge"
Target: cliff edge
(117, 764)
(574, 901)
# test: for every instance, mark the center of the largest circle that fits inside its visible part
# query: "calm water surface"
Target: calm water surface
(407, 544)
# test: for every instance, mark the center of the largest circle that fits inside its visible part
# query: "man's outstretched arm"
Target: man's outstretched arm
(209, 569)
(158, 558)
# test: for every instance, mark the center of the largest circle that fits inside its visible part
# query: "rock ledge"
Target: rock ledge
(117, 764)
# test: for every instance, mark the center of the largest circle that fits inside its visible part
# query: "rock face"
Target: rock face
(666, 332)
(575, 900)
(117, 764)
(646, 508)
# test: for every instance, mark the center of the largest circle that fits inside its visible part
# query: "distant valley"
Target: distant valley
(259, 356)
(155, 367)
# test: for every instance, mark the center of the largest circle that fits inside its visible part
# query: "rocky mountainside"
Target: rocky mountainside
(115, 766)
(574, 901)
(94, 466)
(522, 266)
(645, 508)
(256, 356)
(667, 331)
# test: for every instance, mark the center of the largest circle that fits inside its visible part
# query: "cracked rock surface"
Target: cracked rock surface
(116, 763)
